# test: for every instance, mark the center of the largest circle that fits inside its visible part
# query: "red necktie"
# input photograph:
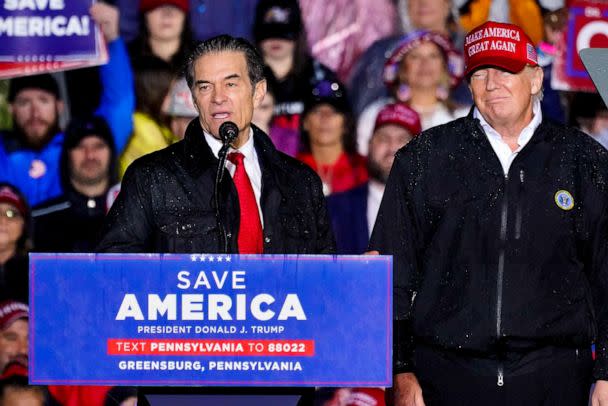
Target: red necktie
(250, 230)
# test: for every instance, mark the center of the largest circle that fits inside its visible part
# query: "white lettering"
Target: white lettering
(238, 280)
(192, 307)
(10, 5)
(240, 307)
(58, 26)
(182, 277)
(157, 307)
(292, 308)
(256, 304)
(13, 5)
(219, 305)
(129, 308)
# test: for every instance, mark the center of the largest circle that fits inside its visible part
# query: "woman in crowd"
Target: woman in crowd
(14, 244)
(328, 139)
(430, 15)
(153, 78)
(290, 71)
(165, 31)
(420, 73)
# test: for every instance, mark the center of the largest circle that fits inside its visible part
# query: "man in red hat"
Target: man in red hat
(497, 224)
(353, 212)
(14, 337)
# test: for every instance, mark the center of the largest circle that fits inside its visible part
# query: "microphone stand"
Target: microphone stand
(221, 167)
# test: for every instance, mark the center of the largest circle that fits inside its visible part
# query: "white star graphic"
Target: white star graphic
(211, 258)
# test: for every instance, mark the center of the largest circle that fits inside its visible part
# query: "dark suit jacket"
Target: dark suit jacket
(166, 203)
(348, 214)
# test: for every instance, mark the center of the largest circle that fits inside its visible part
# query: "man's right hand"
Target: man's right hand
(407, 390)
(107, 16)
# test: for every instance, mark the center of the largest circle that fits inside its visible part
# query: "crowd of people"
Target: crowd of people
(309, 116)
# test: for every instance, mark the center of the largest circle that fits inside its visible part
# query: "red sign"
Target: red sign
(587, 28)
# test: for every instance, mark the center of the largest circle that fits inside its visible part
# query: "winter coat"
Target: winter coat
(491, 264)
(166, 203)
(69, 223)
(14, 279)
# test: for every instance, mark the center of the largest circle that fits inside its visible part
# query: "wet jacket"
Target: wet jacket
(69, 223)
(166, 203)
(489, 264)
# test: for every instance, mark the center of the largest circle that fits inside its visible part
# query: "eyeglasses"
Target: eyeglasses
(10, 214)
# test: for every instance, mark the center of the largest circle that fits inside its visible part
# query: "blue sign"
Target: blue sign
(47, 31)
(210, 320)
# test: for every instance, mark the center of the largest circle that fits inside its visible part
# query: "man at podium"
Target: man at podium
(172, 201)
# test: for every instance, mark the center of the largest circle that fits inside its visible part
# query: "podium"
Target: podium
(208, 320)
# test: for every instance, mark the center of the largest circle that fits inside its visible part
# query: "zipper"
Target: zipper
(501, 256)
(500, 381)
(518, 213)
(501, 269)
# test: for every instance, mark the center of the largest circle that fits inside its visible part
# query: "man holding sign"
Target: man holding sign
(497, 223)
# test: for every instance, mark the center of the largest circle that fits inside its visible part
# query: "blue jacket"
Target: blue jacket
(36, 173)
(348, 215)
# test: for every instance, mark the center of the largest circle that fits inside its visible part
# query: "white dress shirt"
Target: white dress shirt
(375, 190)
(501, 148)
(252, 164)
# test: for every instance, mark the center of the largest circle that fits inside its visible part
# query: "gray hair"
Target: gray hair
(540, 94)
(227, 43)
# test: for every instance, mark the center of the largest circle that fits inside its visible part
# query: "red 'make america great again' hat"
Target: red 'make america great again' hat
(500, 45)
(401, 115)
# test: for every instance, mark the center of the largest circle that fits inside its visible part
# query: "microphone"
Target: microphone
(228, 132)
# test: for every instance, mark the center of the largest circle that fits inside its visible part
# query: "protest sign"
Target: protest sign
(48, 35)
(587, 27)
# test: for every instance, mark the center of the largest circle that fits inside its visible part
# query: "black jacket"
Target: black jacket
(69, 223)
(72, 221)
(166, 203)
(490, 264)
(14, 279)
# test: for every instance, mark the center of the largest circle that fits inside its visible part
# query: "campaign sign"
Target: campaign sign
(587, 28)
(210, 320)
(41, 31)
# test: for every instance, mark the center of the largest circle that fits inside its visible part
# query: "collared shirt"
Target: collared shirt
(500, 147)
(252, 164)
(374, 197)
